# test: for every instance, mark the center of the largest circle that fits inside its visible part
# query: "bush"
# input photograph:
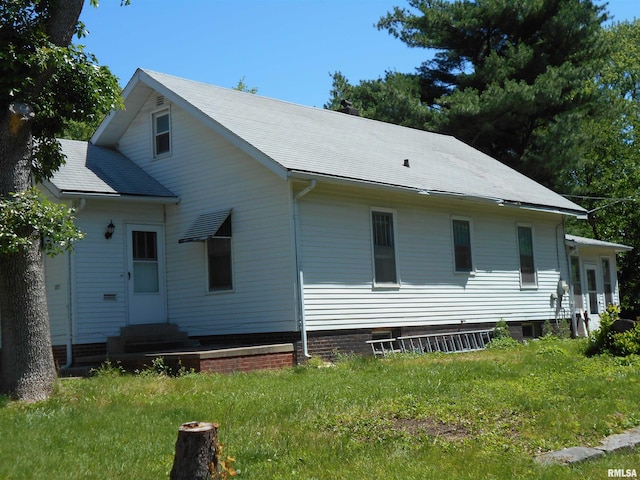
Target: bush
(501, 330)
(502, 336)
(608, 340)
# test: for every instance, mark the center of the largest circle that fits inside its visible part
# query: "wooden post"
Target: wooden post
(195, 457)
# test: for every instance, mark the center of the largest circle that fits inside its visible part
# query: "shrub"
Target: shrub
(607, 340)
(561, 329)
(502, 337)
(501, 330)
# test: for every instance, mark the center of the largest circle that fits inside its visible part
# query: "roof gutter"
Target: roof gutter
(117, 197)
(305, 175)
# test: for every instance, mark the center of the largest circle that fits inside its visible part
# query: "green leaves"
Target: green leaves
(28, 217)
(61, 83)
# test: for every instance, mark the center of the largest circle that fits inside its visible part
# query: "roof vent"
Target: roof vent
(347, 107)
(159, 100)
(406, 163)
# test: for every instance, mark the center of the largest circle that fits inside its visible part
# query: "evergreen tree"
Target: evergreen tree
(509, 78)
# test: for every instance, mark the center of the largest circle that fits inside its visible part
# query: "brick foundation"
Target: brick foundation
(326, 345)
(248, 363)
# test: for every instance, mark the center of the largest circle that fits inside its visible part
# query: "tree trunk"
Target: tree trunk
(27, 370)
(195, 457)
(26, 365)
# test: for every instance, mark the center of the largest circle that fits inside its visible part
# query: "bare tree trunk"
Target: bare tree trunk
(27, 370)
(195, 457)
(26, 365)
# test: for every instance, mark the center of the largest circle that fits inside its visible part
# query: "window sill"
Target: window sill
(219, 292)
(386, 286)
(467, 273)
(161, 156)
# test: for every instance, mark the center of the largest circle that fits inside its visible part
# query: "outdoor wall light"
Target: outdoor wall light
(110, 228)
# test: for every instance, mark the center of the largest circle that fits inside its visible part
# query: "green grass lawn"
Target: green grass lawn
(477, 415)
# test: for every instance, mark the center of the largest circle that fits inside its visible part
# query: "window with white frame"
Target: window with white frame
(219, 260)
(527, 263)
(607, 282)
(161, 133)
(384, 254)
(576, 282)
(462, 244)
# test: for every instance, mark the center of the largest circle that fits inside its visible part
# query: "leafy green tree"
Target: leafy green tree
(607, 179)
(45, 82)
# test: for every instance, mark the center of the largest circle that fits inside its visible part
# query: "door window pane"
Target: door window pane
(145, 262)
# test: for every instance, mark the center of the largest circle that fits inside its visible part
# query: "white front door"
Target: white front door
(145, 276)
(593, 295)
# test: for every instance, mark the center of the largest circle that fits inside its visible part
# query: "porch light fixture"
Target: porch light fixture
(110, 228)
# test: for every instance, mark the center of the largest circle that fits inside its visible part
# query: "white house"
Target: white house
(247, 220)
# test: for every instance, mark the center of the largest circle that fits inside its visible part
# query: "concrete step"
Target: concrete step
(149, 338)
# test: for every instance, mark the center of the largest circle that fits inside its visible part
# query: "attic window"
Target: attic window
(161, 133)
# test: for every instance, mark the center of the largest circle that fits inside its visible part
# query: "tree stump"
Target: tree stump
(195, 457)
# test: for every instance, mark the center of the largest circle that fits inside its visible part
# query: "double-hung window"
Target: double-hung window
(462, 245)
(219, 262)
(527, 263)
(606, 281)
(161, 133)
(576, 282)
(384, 250)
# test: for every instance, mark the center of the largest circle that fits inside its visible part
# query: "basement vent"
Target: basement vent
(109, 297)
(159, 100)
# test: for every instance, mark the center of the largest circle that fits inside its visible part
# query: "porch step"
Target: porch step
(149, 338)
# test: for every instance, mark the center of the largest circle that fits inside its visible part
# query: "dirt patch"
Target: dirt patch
(433, 428)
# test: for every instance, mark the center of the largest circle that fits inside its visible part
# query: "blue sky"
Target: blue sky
(285, 48)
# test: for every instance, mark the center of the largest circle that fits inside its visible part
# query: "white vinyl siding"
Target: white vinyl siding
(336, 233)
(215, 175)
(57, 282)
(99, 268)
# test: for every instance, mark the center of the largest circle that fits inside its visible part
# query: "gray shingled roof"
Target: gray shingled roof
(94, 170)
(572, 240)
(300, 140)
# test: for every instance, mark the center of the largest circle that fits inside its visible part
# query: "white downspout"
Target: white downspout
(301, 309)
(69, 346)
